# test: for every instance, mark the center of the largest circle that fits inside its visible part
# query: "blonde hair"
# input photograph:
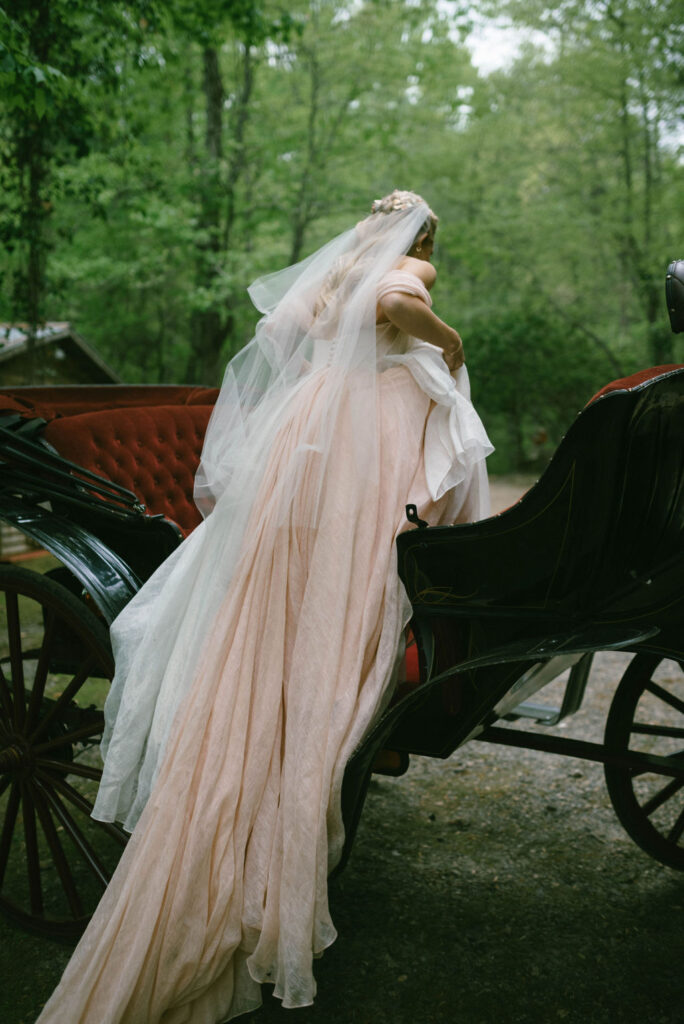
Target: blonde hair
(398, 200)
(351, 265)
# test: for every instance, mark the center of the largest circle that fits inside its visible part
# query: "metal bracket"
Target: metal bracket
(413, 517)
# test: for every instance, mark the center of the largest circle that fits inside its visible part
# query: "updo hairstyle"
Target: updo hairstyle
(399, 200)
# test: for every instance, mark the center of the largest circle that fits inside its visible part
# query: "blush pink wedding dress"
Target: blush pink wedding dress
(223, 884)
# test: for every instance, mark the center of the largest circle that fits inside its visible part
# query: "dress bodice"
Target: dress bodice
(390, 339)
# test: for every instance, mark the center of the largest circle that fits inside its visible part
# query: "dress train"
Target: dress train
(223, 884)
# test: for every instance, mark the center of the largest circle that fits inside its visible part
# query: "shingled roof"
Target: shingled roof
(60, 356)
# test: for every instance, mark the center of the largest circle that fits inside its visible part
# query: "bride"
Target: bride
(251, 664)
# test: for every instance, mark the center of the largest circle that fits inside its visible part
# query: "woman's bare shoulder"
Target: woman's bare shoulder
(420, 268)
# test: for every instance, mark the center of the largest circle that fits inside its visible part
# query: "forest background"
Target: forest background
(157, 155)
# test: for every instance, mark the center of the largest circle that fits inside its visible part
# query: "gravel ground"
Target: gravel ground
(495, 887)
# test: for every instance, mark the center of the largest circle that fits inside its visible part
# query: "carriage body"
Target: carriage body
(590, 559)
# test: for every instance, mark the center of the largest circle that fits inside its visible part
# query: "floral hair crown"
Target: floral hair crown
(398, 200)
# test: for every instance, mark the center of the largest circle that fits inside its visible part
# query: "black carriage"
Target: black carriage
(590, 559)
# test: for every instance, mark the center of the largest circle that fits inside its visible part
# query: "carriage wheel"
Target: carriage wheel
(647, 715)
(55, 668)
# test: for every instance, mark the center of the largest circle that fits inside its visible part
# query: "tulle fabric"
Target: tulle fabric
(159, 638)
(223, 884)
(252, 663)
(319, 318)
(319, 313)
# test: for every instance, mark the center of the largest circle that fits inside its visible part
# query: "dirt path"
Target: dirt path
(506, 490)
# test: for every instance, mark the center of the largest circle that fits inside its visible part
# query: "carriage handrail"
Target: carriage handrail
(16, 480)
(27, 454)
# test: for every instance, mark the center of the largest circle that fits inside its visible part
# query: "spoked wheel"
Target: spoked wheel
(55, 668)
(647, 715)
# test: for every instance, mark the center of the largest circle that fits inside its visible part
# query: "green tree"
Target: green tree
(181, 150)
(609, 167)
(56, 56)
(533, 375)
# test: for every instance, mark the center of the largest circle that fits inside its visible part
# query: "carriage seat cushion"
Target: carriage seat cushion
(633, 381)
(50, 403)
(153, 451)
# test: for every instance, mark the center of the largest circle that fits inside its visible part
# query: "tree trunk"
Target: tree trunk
(31, 166)
(207, 335)
(660, 337)
(218, 202)
(302, 209)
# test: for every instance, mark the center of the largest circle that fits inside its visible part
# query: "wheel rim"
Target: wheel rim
(55, 665)
(647, 716)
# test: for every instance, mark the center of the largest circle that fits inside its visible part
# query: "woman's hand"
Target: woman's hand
(453, 352)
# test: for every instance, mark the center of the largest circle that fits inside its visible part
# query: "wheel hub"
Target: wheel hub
(14, 756)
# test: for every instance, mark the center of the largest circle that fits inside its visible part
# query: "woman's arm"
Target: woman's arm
(410, 314)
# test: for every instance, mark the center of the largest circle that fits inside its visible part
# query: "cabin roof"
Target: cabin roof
(58, 336)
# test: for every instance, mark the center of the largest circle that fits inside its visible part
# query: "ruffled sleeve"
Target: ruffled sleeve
(403, 281)
(456, 442)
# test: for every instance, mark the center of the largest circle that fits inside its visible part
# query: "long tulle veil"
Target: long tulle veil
(318, 330)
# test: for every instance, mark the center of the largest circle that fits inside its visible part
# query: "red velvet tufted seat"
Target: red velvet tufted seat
(633, 381)
(153, 451)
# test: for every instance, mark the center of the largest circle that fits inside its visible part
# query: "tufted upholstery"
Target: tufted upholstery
(153, 451)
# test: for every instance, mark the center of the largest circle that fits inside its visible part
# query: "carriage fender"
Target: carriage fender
(105, 576)
(573, 641)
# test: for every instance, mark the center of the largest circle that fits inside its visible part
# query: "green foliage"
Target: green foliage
(531, 376)
(26, 83)
(252, 23)
(157, 157)
(56, 57)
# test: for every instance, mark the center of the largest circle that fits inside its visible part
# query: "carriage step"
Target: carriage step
(546, 714)
(543, 714)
